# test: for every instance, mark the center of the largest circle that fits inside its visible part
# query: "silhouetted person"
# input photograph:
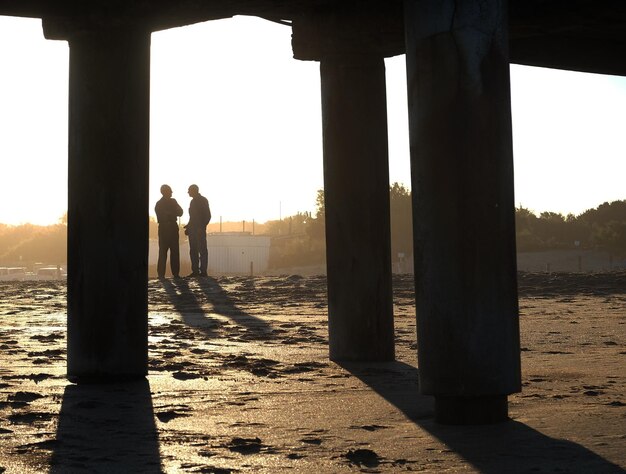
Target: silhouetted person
(199, 218)
(168, 211)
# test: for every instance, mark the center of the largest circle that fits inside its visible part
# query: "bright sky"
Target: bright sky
(233, 112)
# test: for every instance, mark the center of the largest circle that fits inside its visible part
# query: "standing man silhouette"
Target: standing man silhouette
(199, 218)
(168, 211)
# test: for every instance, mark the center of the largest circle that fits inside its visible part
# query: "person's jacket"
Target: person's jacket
(199, 212)
(167, 210)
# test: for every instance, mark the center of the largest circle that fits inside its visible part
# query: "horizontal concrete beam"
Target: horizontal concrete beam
(361, 27)
(574, 54)
(580, 35)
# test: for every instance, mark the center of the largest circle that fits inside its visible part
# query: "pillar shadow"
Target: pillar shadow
(106, 428)
(511, 447)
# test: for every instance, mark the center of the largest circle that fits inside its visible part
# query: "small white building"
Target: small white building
(230, 253)
(238, 253)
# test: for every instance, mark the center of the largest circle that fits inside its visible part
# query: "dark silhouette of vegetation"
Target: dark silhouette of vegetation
(401, 222)
(300, 240)
(601, 228)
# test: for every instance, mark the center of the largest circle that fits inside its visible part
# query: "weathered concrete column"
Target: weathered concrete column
(356, 196)
(351, 40)
(464, 228)
(107, 330)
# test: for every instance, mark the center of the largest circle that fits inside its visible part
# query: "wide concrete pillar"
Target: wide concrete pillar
(356, 196)
(464, 228)
(109, 80)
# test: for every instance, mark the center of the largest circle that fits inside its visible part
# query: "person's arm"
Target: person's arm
(179, 210)
(192, 213)
(157, 211)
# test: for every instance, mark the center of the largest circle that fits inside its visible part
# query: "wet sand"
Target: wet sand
(240, 381)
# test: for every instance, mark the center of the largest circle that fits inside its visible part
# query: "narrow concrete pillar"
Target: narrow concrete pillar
(464, 227)
(356, 195)
(107, 330)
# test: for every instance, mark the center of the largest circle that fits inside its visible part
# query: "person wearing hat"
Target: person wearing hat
(168, 211)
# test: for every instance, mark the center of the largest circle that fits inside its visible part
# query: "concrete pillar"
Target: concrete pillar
(356, 195)
(107, 330)
(464, 227)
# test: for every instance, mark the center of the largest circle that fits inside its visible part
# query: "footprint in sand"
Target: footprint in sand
(169, 415)
(368, 427)
(363, 457)
(30, 418)
(185, 376)
(315, 441)
(616, 403)
(245, 445)
(24, 397)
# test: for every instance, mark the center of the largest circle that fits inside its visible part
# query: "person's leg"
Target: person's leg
(193, 251)
(162, 253)
(175, 253)
(204, 255)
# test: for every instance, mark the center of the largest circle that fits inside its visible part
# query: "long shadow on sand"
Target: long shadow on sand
(225, 305)
(190, 297)
(510, 447)
(190, 308)
(106, 428)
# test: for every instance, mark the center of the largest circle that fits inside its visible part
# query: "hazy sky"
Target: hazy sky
(233, 112)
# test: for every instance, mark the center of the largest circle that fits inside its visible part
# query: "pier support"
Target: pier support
(107, 329)
(356, 196)
(350, 40)
(463, 207)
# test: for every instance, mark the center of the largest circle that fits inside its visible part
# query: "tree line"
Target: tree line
(299, 240)
(27, 243)
(601, 228)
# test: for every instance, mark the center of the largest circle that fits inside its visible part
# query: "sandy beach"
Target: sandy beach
(240, 381)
